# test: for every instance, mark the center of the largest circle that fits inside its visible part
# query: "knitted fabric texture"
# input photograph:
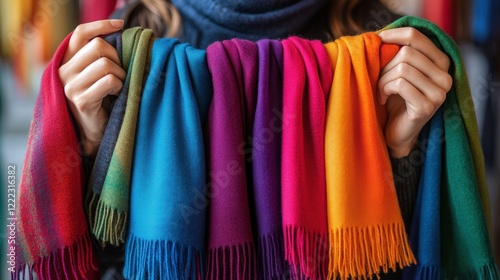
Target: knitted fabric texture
(52, 238)
(167, 233)
(110, 181)
(307, 77)
(266, 161)
(231, 247)
(465, 243)
(214, 20)
(366, 230)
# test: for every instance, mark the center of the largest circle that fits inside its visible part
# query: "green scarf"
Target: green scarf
(110, 179)
(465, 245)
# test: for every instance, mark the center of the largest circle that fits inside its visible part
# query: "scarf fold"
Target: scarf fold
(464, 205)
(168, 199)
(366, 230)
(110, 180)
(266, 161)
(307, 78)
(52, 237)
(231, 250)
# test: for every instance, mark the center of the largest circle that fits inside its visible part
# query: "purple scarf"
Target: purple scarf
(231, 249)
(266, 163)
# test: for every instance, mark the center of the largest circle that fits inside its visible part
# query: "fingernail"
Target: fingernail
(118, 23)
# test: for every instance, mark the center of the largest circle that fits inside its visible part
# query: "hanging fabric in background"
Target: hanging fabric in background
(439, 12)
(31, 31)
(92, 10)
(485, 20)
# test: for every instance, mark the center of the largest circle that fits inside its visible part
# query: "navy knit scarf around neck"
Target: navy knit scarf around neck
(207, 21)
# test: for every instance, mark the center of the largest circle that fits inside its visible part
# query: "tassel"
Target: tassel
(363, 253)
(75, 259)
(232, 262)
(271, 256)
(108, 225)
(307, 252)
(160, 259)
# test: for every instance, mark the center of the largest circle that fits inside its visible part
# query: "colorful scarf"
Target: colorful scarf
(266, 161)
(365, 235)
(307, 77)
(231, 248)
(52, 238)
(110, 181)
(464, 205)
(168, 200)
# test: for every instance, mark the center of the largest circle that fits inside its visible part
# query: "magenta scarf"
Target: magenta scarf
(307, 80)
(231, 250)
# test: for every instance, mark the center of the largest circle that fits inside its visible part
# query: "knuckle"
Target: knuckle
(68, 90)
(97, 43)
(402, 68)
(445, 61)
(80, 103)
(412, 33)
(424, 110)
(406, 52)
(105, 63)
(447, 82)
(79, 29)
(401, 84)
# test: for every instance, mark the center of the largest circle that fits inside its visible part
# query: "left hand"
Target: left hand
(414, 85)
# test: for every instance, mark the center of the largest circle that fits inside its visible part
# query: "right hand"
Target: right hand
(90, 71)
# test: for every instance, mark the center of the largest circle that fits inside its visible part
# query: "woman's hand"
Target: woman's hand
(414, 85)
(89, 72)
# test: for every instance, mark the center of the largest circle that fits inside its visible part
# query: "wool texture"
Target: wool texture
(464, 204)
(52, 236)
(205, 22)
(231, 247)
(425, 232)
(265, 193)
(110, 181)
(307, 77)
(167, 232)
(366, 230)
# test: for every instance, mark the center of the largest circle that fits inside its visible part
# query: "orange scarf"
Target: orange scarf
(366, 230)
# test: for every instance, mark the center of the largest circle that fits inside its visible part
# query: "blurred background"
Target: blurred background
(31, 30)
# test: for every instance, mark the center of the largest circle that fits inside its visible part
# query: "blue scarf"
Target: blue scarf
(168, 210)
(208, 21)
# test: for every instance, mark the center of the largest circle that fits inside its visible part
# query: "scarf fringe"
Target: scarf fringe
(364, 252)
(108, 224)
(271, 253)
(161, 259)
(232, 262)
(488, 271)
(71, 262)
(307, 252)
